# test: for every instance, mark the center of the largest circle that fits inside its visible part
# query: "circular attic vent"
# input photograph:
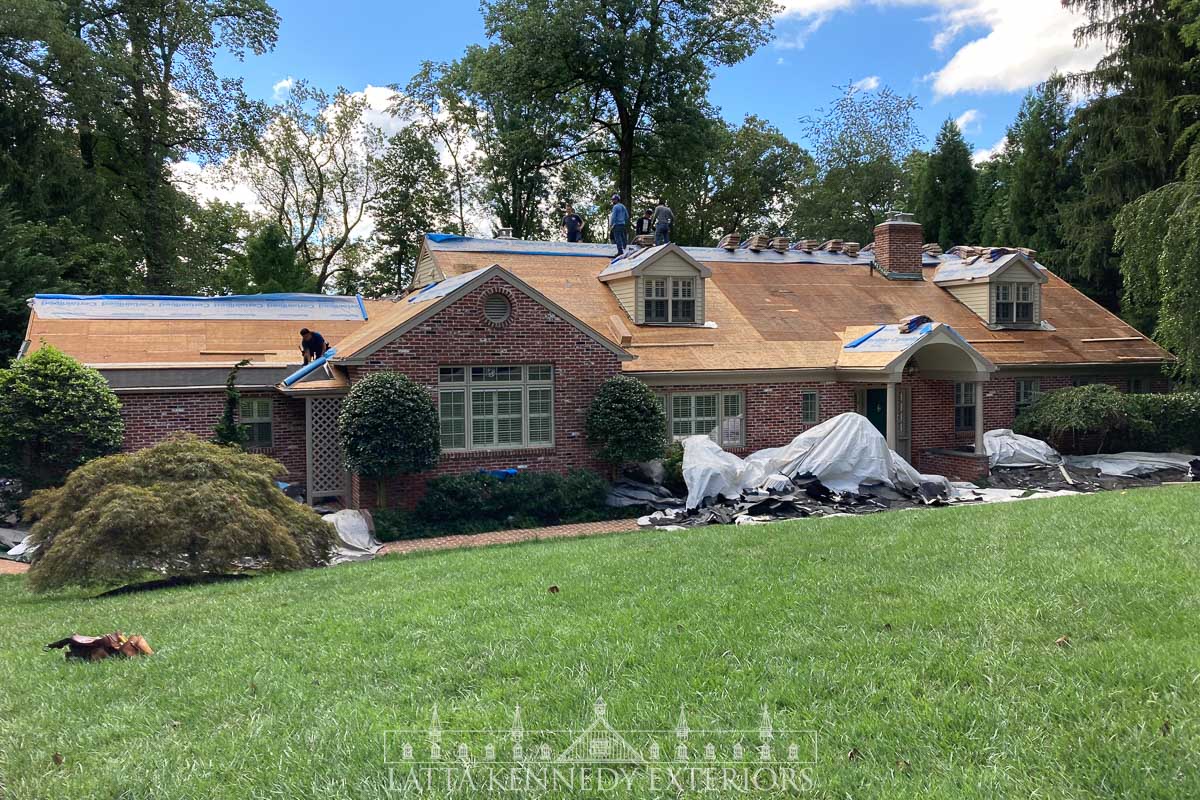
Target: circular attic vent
(497, 308)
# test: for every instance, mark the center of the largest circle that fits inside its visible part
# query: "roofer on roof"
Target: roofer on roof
(664, 218)
(645, 223)
(617, 222)
(572, 225)
(312, 344)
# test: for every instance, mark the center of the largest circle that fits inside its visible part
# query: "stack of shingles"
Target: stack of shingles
(758, 242)
(730, 241)
(781, 243)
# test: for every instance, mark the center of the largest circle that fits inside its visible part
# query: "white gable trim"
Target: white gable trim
(664, 250)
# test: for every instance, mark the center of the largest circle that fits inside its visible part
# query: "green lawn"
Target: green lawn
(924, 641)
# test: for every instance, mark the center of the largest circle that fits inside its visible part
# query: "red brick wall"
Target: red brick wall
(152, 417)
(773, 410)
(898, 247)
(459, 335)
(957, 466)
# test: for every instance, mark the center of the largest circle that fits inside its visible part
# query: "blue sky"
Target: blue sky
(959, 57)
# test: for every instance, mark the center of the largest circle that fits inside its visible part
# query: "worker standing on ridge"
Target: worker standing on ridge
(617, 222)
(664, 218)
(645, 223)
(312, 345)
(572, 225)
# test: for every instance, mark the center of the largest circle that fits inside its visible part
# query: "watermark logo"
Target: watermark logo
(599, 757)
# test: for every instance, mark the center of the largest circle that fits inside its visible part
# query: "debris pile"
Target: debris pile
(94, 648)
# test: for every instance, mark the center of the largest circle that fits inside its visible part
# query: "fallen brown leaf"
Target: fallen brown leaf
(853, 755)
(1165, 730)
(58, 758)
(903, 765)
(553, 590)
(1063, 641)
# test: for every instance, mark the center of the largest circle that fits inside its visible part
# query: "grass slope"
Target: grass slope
(922, 640)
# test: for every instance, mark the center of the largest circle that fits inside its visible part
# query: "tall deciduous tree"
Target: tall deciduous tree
(315, 168)
(622, 66)
(859, 144)
(948, 188)
(414, 198)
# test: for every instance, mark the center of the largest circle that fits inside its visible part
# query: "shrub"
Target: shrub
(181, 509)
(625, 422)
(389, 426)
(673, 470)
(55, 414)
(479, 501)
(1162, 423)
(1065, 416)
(229, 431)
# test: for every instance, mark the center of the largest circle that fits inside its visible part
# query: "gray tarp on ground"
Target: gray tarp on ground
(844, 453)
(356, 541)
(1131, 464)
(1007, 449)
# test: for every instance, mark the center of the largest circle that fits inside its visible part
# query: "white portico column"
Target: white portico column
(979, 416)
(891, 416)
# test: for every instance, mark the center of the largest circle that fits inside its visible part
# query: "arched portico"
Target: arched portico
(893, 362)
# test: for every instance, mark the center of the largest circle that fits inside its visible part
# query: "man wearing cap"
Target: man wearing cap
(617, 222)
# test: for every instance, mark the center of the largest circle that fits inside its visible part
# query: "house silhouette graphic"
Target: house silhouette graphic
(599, 743)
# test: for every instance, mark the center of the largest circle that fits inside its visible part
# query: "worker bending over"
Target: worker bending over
(312, 344)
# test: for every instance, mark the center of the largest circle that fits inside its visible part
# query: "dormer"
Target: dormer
(659, 286)
(1002, 286)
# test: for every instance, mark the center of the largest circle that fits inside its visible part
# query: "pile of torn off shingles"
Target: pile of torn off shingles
(807, 497)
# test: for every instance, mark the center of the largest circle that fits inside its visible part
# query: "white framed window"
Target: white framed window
(496, 407)
(255, 414)
(810, 407)
(1014, 303)
(1027, 392)
(721, 416)
(964, 407)
(669, 300)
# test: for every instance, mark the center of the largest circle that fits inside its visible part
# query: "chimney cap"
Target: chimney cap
(900, 218)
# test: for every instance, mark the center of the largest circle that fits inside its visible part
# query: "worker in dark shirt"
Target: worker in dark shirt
(572, 225)
(312, 344)
(645, 224)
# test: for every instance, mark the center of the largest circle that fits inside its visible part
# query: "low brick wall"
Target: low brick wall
(957, 465)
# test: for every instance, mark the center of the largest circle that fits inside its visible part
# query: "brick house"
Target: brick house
(748, 342)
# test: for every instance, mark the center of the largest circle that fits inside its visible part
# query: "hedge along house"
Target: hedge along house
(748, 342)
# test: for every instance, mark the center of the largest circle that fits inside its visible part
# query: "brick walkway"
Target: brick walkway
(511, 537)
(12, 567)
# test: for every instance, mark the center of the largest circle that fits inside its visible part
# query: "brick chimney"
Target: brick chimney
(898, 244)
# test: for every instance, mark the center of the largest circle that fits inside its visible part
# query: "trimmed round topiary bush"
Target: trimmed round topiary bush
(181, 509)
(626, 423)
(389, 426)
(55, 414)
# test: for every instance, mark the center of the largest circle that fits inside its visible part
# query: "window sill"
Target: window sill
(458, 453)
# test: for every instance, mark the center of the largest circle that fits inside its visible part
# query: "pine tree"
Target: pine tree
(1041, 176)
(948, 188)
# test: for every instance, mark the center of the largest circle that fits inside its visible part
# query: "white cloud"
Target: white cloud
(1019, 42)
(867, 84)
(968, 121)
(779, 62)
(985, 153)
(281, 88)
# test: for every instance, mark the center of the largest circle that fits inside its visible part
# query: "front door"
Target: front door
(875, 408)
(904, 422)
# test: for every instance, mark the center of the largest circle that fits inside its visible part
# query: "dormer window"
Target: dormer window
(1014, 303)
(659, 286)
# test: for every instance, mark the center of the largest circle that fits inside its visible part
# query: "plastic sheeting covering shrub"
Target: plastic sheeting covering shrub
(181, 509)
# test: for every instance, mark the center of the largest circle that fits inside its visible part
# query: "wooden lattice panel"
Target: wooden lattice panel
(326, 473)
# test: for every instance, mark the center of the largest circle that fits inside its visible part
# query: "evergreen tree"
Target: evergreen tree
(1128, 136)
(948, 189)
(1041, 177)
(269, 265)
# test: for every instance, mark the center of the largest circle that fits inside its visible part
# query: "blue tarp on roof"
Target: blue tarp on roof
(889, 339)
(292, 306)
(452, 242)
(442, 288)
